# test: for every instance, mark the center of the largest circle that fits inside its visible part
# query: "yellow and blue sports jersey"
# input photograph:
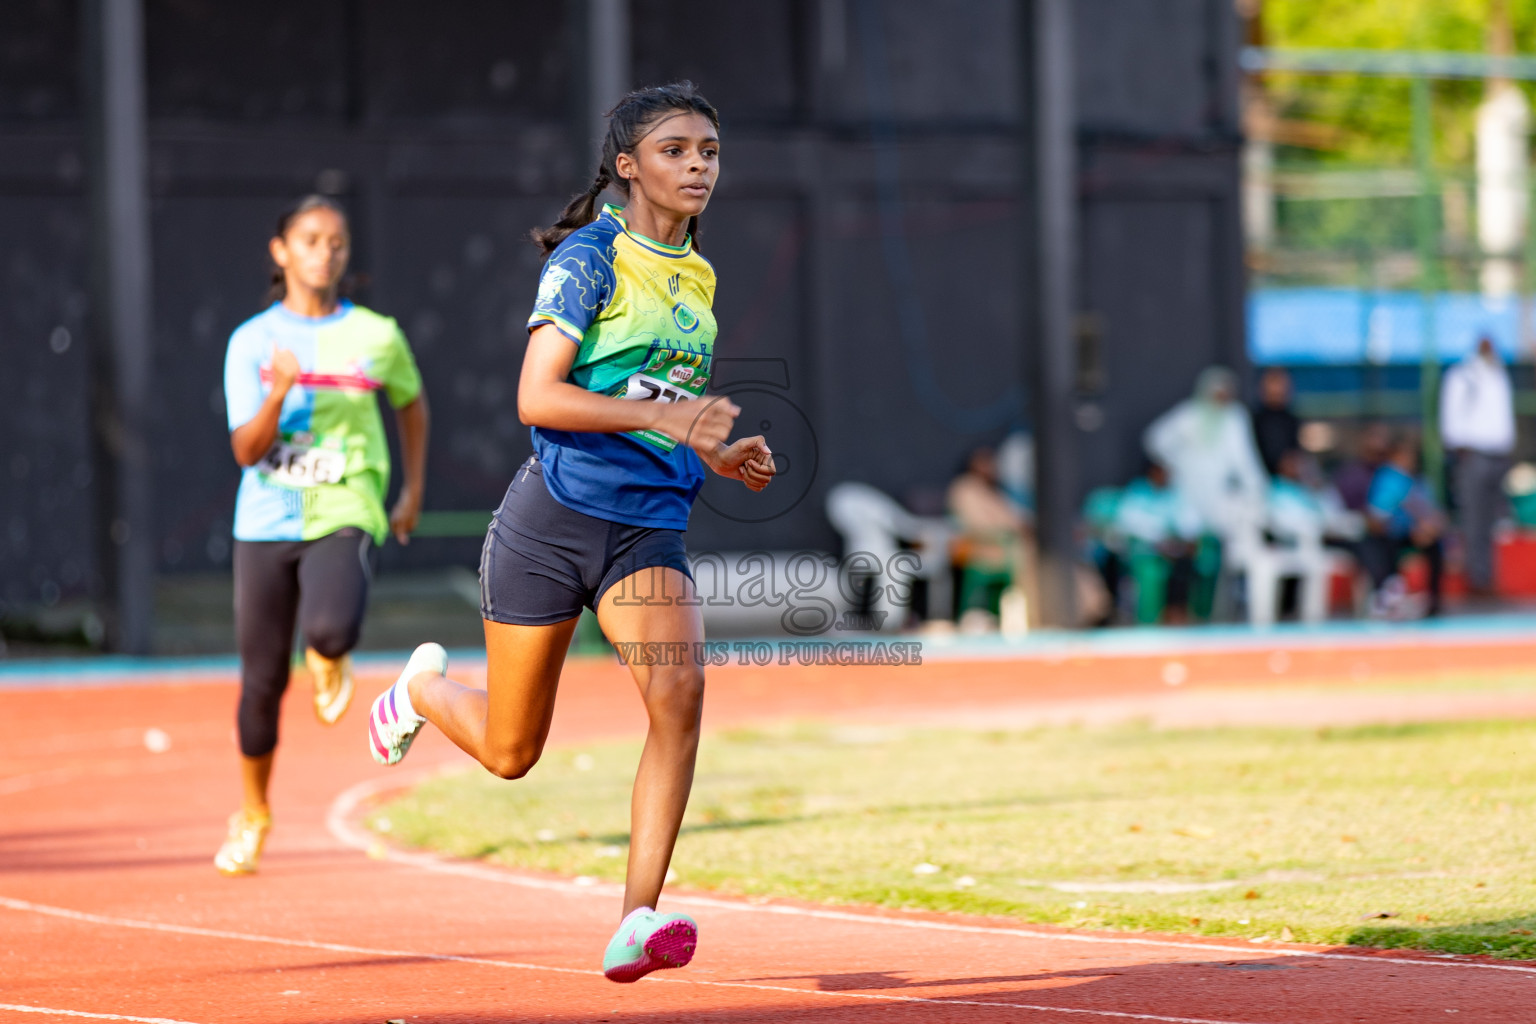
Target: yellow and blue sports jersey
(640, 314)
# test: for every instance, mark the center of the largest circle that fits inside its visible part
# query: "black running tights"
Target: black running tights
(320, 585)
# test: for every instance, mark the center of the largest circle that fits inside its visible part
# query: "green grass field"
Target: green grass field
(1314, 836)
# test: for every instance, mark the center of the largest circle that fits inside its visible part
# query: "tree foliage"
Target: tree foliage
(1374, 114)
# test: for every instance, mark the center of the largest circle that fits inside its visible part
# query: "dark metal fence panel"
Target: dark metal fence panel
(46, 474)
(1160, 267)
(39, 72)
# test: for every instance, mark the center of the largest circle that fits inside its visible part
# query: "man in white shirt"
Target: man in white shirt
(1477, 425)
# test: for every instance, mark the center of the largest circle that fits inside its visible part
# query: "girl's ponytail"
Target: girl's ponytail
(579, 212)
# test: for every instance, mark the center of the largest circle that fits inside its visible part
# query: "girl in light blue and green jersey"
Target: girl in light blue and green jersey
(302, 382)
(615, 386)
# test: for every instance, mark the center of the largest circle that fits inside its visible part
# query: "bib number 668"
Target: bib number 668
(297, 466)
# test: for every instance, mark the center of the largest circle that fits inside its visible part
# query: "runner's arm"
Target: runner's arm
(748, 460)
(413, 420)
(545, 398)
(251, 439)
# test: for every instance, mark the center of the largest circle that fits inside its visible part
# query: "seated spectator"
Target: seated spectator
(1102, 552)
(1172, 563)
(1275, 427)
(1016, 470)
(1353, 479)
(1402, 517)
(995, 532)
(1295, 509)
(1315, 500)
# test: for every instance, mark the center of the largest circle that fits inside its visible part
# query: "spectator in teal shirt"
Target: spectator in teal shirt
(1402, 516)
(1171, 559)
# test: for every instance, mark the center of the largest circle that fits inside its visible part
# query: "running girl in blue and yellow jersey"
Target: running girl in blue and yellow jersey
(301, 381)
(614, 386)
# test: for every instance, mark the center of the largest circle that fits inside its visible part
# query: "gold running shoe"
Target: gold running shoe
(241, 852)
(333, 684)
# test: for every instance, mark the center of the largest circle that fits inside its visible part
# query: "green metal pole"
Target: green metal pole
(1427, 232)
(1527, 343)
(1370, 383)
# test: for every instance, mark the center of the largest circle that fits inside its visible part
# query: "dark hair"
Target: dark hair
(628, 123)
(278, 288)
(1404, 439)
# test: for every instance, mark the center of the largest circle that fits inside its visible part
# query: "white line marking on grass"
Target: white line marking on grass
(336, 947)
(338, 821)
(16, 1008)
(1153, 886)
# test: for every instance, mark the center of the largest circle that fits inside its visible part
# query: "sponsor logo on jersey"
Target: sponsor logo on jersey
(685, 319)
(680, 374)
(550, 284)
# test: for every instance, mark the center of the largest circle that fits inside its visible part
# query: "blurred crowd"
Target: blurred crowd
(1235, 517)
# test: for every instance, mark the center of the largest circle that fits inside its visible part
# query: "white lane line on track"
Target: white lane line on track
(127, 738)
(339, 821)
(68, 743)
(336, 947)
(149, 764)
(16, 1008)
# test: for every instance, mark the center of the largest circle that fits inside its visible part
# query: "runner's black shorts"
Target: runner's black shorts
(543, 562)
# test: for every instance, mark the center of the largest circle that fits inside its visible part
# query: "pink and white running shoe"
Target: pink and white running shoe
(393, 723)
(649, 941)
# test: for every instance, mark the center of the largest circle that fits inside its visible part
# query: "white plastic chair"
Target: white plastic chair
(874, 524)
(1263, 565)
(761, 593)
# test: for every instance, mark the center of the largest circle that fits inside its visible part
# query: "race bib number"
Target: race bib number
(644, 388)
(667, 376)
(293, 463)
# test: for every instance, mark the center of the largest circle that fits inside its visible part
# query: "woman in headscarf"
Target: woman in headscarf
(1207, 444)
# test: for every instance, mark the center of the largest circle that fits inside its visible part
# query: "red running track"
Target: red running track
(110, 908)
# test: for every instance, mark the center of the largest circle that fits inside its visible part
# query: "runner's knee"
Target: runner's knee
(257, 719)
(513, 763)
(674, 697)
(331, 634)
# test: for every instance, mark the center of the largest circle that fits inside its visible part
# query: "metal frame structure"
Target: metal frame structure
(1420, 67)
(1050, 149)
(117, 181)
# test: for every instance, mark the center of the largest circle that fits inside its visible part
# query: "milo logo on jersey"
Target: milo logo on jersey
(668, 375)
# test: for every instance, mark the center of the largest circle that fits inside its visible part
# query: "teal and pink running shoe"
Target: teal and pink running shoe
(648, 941)
(393, 723)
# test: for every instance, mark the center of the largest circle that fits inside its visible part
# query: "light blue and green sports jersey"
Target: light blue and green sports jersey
(329, 467)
